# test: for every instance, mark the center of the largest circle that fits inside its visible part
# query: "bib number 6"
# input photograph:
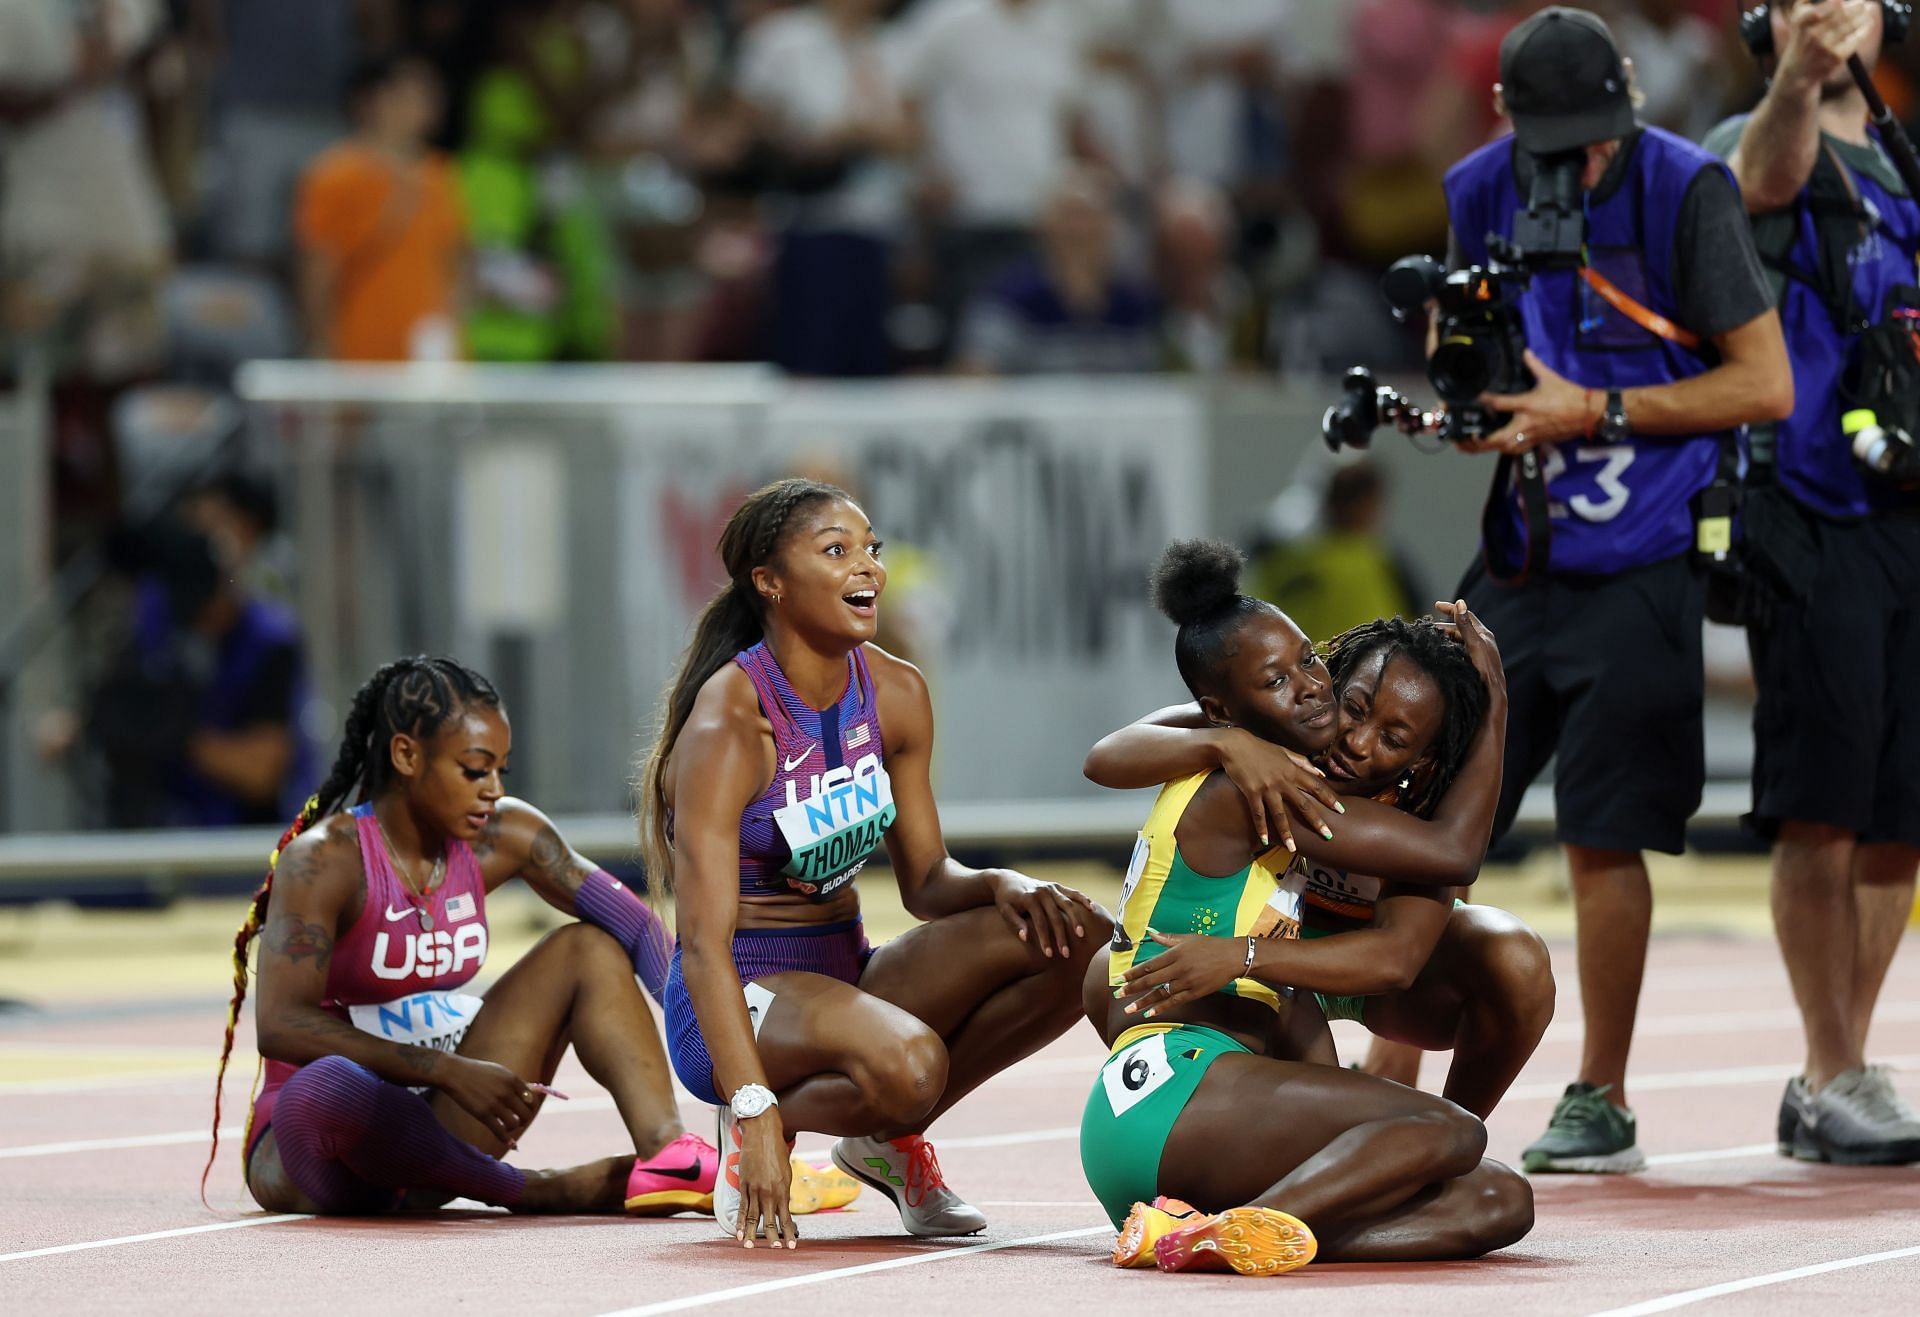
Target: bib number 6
(1617, 458)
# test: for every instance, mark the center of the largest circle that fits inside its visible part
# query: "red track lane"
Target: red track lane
(1717, 1026)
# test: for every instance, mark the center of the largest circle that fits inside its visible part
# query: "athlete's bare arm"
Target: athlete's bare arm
(933, 883)
(318, 890)
(521, 842)
(722, 760)
(1444, 851)
(1177, 742)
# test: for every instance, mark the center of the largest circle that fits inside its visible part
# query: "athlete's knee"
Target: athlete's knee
(1513, 971)
(1504, 1212)
(588, 949)
(906, 1077)
(329, 1098)
(1459, 1139)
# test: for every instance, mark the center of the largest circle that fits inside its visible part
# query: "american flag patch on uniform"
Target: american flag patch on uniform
(859, 736)
(459, 907)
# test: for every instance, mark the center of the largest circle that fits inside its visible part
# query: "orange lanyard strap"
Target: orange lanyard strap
(1651, 321)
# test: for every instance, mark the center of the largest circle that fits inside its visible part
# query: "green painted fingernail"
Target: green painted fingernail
(1339, 807)
(1327, 833)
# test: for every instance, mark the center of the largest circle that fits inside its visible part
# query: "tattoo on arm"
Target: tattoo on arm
(291, 936)
(550, 863)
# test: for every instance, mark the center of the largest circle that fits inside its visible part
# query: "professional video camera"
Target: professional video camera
(1480, 340)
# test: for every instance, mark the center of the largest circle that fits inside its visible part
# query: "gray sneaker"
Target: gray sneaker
(1859, 1120)
(906, 1171)
(1789, 1127)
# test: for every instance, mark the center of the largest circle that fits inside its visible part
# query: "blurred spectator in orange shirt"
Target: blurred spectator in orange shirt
(381, 235)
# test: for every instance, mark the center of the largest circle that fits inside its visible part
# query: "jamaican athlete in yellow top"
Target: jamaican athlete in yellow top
(1163, 893)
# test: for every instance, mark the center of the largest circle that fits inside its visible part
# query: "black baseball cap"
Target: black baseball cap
(1563, 82)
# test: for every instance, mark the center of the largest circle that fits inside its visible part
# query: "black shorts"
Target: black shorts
(1606, 671)
(1837, 727)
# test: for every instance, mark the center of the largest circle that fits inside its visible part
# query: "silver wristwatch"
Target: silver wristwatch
(750, 1100)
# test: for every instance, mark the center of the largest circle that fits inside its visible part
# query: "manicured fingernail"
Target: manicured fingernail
(1149, 1014)
(1130, 1010)
(793, 1243)
(1327, 833)
(1291, 848)
(1339, 808)
(749, 1243)
(1263, 839)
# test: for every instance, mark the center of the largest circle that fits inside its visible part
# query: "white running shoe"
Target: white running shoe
(726, 1185)
(907, 1171)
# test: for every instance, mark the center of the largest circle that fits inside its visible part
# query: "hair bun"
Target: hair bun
(1196, 580)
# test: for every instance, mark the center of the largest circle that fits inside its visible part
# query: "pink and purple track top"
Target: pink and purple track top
(830, 802)
(396, 973)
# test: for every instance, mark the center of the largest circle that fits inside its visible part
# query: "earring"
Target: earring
(1406, 783)
(773, 598)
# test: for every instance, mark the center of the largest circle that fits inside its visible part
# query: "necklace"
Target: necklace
(400, 870)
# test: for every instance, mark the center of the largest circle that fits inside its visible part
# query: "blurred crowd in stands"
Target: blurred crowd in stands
(846, 188)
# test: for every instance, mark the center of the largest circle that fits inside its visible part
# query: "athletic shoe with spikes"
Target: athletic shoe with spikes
(906, 1171)
(726, 1186)
(1144, 1225)
(1254, 1241)
(680, 1177)
(820, 1189)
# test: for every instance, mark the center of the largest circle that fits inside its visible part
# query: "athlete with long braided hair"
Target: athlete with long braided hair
(789, 749)
(386, 1084)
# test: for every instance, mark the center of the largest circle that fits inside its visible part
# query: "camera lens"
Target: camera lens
(1460, 370)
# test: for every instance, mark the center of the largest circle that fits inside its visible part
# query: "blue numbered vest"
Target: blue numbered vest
(1613, 506)
(1812, 458)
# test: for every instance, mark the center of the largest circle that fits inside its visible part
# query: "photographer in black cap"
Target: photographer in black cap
(1651, 338)
(1836, 776)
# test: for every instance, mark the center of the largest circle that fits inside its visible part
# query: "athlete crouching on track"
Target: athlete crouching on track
(387, 1086)
(1408, 960)
(789, 747)
(1196, 1105)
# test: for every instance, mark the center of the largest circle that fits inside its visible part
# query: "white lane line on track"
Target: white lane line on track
(1715, 1022)
(1726, 1076)
(95, 1083)
(846, 1273)
(109, 1145)
(1667, 1303)
(141, 1239)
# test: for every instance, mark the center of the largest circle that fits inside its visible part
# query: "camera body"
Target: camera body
(1480, 338)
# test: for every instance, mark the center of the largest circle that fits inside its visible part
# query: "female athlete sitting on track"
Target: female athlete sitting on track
(790, 747)
(386, 1085)
(1193, 1104)
(1409, 961)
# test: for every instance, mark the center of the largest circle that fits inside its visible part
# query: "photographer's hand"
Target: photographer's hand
(1820, 37)
(1553, 410)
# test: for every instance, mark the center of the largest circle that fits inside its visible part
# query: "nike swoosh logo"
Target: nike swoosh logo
(398, 914)
(672, 1173)
(788, 765)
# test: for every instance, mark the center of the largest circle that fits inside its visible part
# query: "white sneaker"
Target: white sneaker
(907, 1171)
(726, 1185)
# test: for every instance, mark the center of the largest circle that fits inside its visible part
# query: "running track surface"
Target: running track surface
(98, 1205)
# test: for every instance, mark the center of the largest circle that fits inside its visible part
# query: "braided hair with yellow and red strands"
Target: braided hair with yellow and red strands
(417, 696)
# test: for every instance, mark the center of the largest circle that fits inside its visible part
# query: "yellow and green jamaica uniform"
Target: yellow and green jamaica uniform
(1154, 1068)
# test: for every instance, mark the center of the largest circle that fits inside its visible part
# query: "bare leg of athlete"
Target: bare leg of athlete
(575, 987)
(995, 1001)
(1364, 1163)
(1486, 993)
(1399, 1062)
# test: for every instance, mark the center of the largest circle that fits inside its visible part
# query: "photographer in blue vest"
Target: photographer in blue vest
(1650, 344)
(1836, 778)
